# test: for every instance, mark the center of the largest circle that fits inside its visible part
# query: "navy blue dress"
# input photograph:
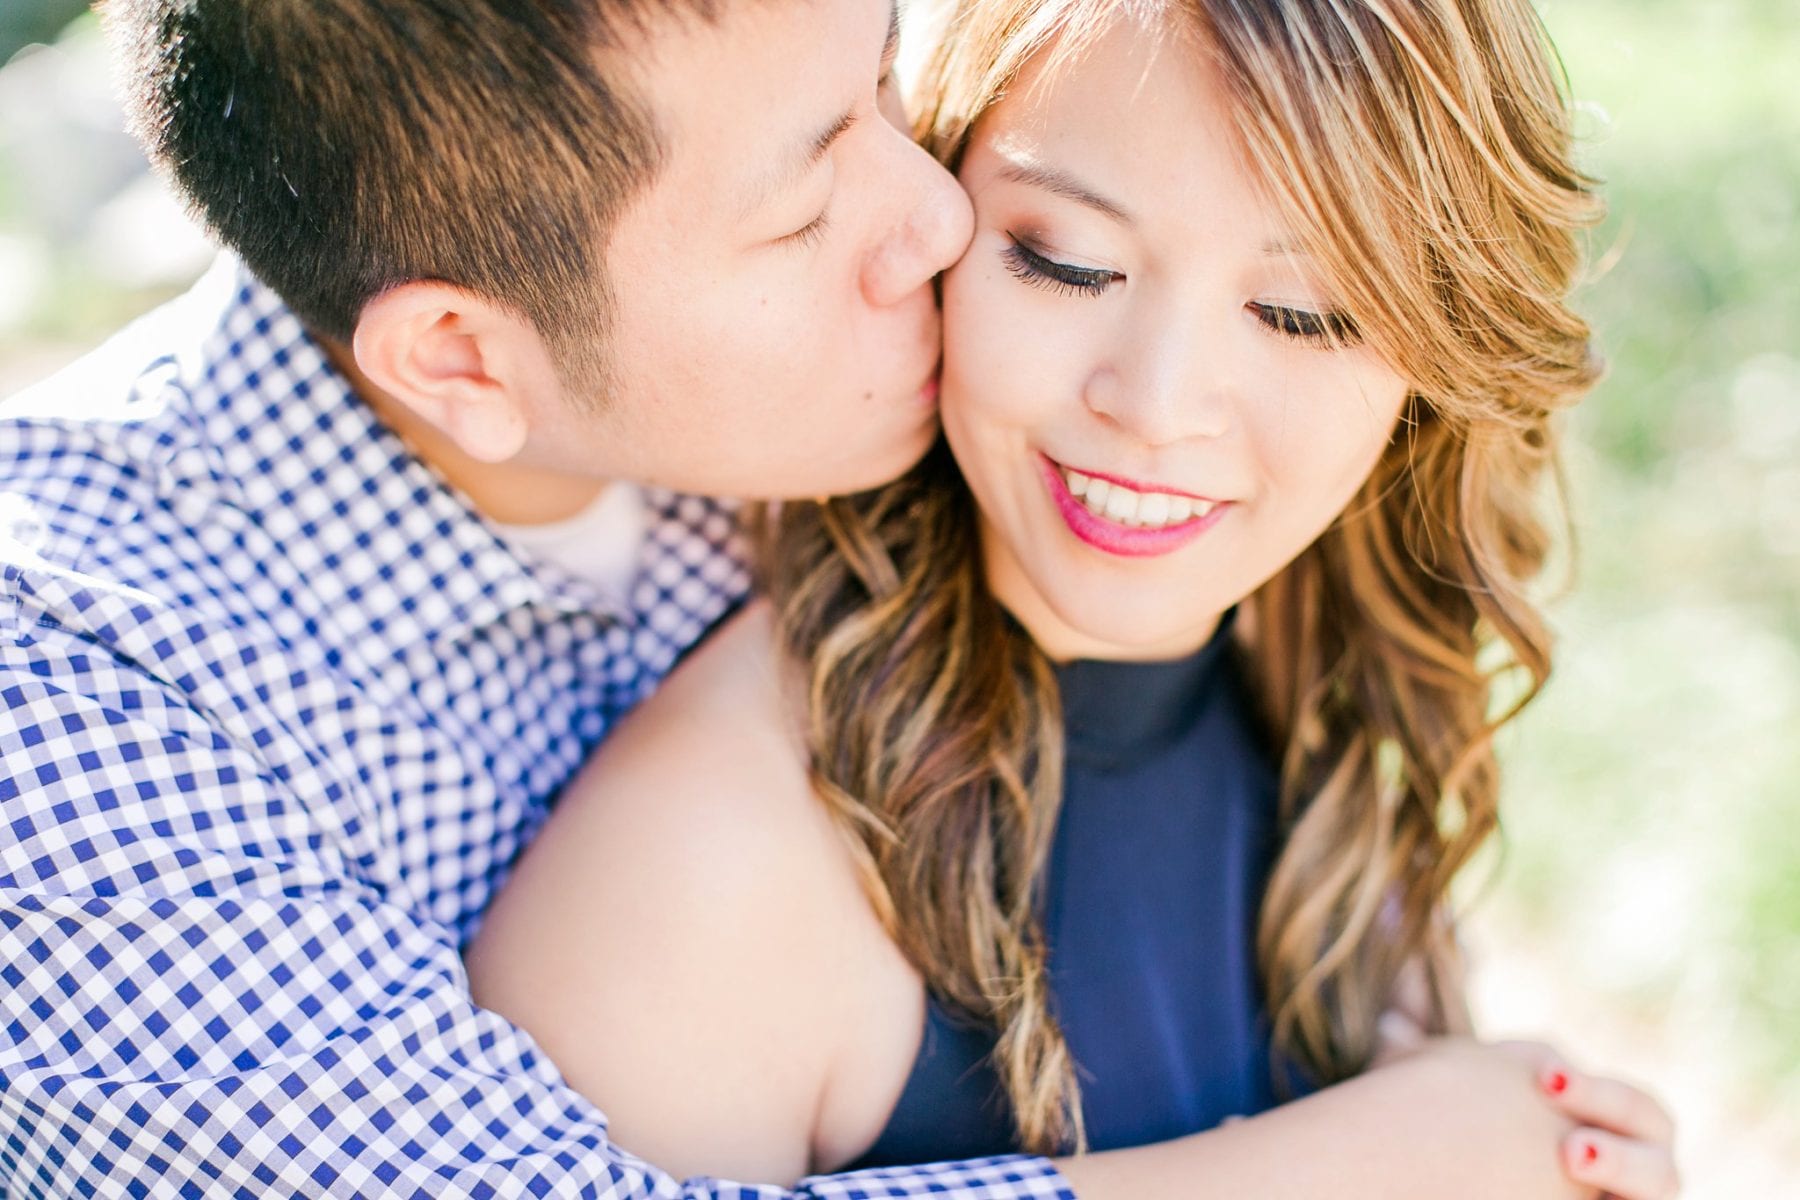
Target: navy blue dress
(1160, 857)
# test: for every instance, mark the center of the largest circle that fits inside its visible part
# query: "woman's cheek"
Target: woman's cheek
(978, 338)
(1015, 353)
(972, 295)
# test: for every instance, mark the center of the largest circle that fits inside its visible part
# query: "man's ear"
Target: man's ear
(462, 362)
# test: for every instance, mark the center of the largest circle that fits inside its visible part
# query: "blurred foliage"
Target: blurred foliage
(87, 239)
(23, 22)
(1653, 801)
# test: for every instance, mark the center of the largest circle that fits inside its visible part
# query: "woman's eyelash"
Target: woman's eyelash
(1302, 325)
(807, 235)
(1326, 328)
(1028, 266)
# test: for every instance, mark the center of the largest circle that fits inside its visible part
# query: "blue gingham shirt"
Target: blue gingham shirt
(277, 710)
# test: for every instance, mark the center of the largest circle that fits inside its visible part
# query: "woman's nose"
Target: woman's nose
(1166, 388)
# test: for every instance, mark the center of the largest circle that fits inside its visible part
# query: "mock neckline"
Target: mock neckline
(1114, 711)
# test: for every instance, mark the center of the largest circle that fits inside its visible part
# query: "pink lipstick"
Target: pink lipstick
(1126, 541)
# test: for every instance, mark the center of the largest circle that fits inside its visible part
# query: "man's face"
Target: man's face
(774, 326)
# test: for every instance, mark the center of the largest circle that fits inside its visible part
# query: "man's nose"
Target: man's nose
(929, 234)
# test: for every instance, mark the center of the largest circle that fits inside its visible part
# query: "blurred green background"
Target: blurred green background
(1651, 881)
(1643, 909)
(23, 22)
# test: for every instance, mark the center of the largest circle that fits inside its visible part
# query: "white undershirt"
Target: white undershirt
(599, 544)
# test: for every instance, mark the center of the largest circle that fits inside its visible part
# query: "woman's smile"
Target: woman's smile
(1150, 385)
(1129, 520)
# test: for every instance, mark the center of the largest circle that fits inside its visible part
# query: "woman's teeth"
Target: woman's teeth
(1121, 505)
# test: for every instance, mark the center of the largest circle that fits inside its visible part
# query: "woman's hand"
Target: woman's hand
(1457, 1118)
(1625, 1141)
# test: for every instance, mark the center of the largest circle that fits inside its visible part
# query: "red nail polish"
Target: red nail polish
(1589, 1153)
(1557, 1083)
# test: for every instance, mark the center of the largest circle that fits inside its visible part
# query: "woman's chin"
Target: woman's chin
(1125, 632)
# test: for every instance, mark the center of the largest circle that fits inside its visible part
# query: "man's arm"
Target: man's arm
(200, 996)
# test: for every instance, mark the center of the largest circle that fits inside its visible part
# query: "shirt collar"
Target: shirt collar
(313, 464)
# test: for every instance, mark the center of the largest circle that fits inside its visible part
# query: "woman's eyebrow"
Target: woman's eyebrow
(1058, 182)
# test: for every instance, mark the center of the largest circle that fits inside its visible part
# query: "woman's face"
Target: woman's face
(1136, 383)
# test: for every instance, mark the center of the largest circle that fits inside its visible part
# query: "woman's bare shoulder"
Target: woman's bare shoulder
(719, 742)
(740, 664)
(646, 933)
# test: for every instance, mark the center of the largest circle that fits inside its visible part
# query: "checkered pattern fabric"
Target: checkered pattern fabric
(277, 709)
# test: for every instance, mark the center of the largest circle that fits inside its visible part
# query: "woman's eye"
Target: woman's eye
(808, 235)
(1028, 266)
(1318, 328)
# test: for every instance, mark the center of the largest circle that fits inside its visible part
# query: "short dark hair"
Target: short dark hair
(342, 147)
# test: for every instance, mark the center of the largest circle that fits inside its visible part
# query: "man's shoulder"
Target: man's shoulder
(113, 382)
(82, 453)
(115, 575)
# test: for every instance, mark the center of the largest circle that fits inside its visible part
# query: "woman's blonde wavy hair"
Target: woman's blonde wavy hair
(1421, 151)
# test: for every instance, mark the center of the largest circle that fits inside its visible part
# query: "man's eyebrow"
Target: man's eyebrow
(796, 165)
(1060, 183)
(811, 152)
(822, 143)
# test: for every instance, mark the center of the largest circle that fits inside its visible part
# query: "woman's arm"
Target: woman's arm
(1457, 1119)
(1623, 1140)
(693, 850)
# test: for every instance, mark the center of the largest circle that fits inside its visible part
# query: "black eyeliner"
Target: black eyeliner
(1030, 267)
(1333, 328)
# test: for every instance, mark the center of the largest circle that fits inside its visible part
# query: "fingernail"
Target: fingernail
(1556, 1083)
